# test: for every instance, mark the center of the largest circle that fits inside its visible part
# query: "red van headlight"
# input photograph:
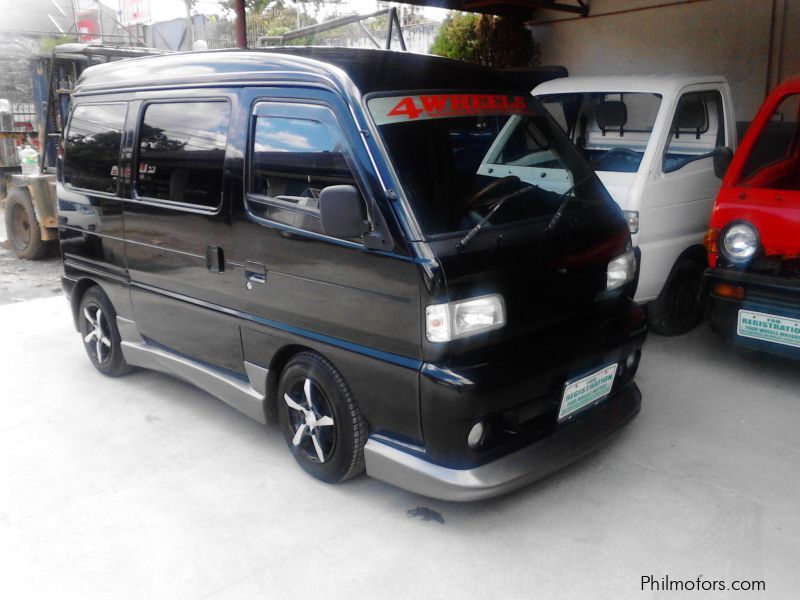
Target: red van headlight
(739, 242)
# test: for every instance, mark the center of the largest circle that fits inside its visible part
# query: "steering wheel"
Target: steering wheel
(478, 198)
(626, 153)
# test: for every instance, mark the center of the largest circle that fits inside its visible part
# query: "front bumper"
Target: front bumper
(770, 294)
(390, 463)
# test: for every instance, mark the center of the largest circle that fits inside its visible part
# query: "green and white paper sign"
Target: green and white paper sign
(770, 328)
(586, 390)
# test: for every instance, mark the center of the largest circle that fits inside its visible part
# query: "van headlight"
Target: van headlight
(632, 217)
(461, 318)
(621, 270)
(740, 242)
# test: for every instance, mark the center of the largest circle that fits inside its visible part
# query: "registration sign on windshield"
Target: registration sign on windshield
(399, 109)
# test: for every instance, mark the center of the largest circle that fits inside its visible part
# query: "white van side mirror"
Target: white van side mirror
(341, 210)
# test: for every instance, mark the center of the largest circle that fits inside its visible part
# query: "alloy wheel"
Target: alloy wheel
(311, 419)
(97, 334)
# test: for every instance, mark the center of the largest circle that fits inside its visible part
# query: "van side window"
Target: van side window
(91, 147)
(292, 161)
(770, 161)
(181, 152)
(698, 127)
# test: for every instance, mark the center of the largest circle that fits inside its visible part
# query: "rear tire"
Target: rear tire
(22, 227)
(679, 307)
(320, 420)
(101, 339)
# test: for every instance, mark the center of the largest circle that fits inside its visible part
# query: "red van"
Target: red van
(754, 238)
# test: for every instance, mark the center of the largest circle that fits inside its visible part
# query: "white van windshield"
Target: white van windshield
(611, 129)
(458, 155)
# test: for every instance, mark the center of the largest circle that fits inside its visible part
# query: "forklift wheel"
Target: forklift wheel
(22, 228)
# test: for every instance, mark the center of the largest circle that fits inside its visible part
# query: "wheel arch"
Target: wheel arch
(696, 253)
(279, 360)
(79, 289)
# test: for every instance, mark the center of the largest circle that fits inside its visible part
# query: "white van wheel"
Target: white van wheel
(678, 308)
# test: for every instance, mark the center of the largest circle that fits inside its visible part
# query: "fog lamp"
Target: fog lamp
(476, 435)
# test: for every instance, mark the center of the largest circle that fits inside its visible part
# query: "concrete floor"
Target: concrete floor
(145, 487)
(22, 280)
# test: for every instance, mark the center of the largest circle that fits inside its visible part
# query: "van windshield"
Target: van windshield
(459, 155)
(612, 130)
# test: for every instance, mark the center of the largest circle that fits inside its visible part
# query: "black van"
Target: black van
(400, 258)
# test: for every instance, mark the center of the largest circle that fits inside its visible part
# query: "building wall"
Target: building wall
(754, 43)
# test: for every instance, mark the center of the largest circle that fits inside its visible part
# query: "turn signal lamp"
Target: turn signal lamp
(711, 241)
(726, 290)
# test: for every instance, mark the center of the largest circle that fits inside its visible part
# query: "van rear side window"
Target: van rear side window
(182, 151)
(91, 148)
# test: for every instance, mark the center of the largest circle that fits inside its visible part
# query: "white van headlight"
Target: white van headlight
(445, 322)
(632, 217)
(740, 242)
(621, 270)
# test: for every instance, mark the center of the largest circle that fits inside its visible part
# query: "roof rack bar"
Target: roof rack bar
(334, 24)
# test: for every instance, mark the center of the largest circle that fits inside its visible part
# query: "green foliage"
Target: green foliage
(457, 37)
(499, 42)
(46, 44)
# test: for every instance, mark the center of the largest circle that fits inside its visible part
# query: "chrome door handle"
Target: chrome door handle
(255, 273)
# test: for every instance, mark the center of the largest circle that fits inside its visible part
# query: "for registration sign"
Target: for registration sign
(586, 390)
(769, 328)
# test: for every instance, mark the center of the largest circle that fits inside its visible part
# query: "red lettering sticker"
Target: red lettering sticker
(433, 106)
(406, 107)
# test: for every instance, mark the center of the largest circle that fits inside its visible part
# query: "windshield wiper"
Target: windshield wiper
(497, 206)
(563, 206)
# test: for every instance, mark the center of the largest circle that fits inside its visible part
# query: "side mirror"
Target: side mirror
(341, 210)
(722, 160)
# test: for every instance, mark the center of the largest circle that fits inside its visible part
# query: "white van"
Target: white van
(652, 141)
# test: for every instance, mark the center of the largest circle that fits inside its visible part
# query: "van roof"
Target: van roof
(369, 70)
(656, 84)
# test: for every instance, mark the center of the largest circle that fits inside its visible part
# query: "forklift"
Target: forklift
(30, 213)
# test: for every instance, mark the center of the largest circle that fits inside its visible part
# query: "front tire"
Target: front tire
(22, 227)
(721, 319)
(679, 307)
(101, 339)
(320, 420)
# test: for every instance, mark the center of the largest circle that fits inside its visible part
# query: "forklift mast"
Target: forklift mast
(63, 68)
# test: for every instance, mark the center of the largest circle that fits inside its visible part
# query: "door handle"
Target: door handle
(215, 259)
(255, 272)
